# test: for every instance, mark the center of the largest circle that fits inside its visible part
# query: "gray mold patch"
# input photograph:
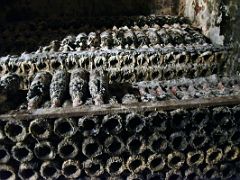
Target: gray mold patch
(207, 15)
(219, 20)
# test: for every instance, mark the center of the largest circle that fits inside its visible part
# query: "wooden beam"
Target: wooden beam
(120, 108)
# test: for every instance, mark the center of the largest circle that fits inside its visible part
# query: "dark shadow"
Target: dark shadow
(27, 24)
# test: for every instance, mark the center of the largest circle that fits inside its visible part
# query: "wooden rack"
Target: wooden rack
(120, 108)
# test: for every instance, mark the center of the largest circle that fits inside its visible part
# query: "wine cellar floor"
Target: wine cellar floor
(146, 98)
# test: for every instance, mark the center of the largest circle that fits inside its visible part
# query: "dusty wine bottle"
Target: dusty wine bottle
(7, 172)
(65, 127)
(231, 153)
(113, 145)
(175, 160)
(135, 122)
(136, 164)
(68, 149)
(44, 150)
(112, 124)
(58, 87)
(91, 147)
(193, 173)
(28, 171)
(71, 169)
(157, 142)
(15, 130)
(136, 144)
(195, 158)
(156, 162)
(173, 174)
(115, 166)
(178, 141)
(40, 129)
(22, 153)
(213, 155)
(89, 126)
(50, 170)
(4, 154)
(93, 167)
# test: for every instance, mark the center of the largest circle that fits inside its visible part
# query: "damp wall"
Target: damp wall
(220, 21)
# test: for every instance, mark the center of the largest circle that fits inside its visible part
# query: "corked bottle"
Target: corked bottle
(59, 87)
(98, 87)
(39, 90)
(78, 86)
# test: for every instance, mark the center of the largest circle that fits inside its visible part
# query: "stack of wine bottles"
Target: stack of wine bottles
(29, 35)
(138, 60)
(80, 88)
(195, 143)
(139, 49)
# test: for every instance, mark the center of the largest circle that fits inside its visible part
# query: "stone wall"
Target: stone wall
(214, 17)
(220, 21)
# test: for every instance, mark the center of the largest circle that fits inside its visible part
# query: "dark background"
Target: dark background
(15, 10)
(27, 24)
